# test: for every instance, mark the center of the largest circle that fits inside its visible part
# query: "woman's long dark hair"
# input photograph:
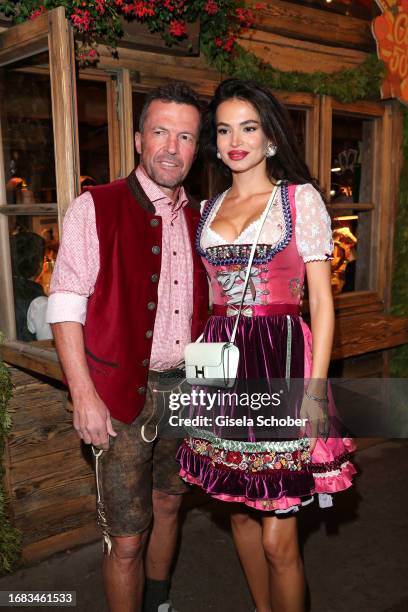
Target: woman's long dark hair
(276, 124)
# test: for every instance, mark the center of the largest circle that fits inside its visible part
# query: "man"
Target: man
(128, 292)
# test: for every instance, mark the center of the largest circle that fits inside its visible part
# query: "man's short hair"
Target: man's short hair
(175, 91)
(27, 254)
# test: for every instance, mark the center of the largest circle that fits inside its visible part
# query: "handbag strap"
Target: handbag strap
(251, 258)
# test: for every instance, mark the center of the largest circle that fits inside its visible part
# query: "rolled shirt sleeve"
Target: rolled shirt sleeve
(313, 225)
(77, 265)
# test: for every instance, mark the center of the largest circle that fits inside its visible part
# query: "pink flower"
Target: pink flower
(40, 11)
(177, 28)
(245, 16)
(218, 42)
(139, 8)
(81, 19)
(233, 457)
(241, 14)
(229, 44)
(144, 9)
(211, 7)
(168, 5)
(100, 6)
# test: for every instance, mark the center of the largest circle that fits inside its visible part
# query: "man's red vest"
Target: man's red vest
(121, 312)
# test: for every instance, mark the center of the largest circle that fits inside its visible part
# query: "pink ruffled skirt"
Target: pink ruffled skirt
(268, 475)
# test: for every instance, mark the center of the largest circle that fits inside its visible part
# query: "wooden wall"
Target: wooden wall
(49, 480)
(296, 37)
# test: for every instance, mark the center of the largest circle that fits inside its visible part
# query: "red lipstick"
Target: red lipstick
(237, 155)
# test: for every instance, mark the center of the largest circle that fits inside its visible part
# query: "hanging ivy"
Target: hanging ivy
(10, 538)
(347, 85)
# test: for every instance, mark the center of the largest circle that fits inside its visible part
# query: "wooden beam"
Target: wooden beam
(360, 108)
(293, 54)
(113, 129)
(395, 162)
(37, 551)
(151, 69)
(360, 334)
(39, 360)
(325, 144)
(312, 137)
(137, 36)
(126, 122)
(29, 209)
(306, 23)
(7, 316)
(64, 109)
(24, 39)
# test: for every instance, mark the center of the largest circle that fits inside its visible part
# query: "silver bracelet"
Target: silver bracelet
(322, 400)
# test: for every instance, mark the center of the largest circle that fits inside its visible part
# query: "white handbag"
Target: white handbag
(215, 364)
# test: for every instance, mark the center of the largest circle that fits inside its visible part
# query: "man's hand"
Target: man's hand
(92, 421)
(317, 419)
(91, 417)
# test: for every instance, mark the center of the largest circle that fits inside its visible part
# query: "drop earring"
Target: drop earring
(218, 155)
(271, 150)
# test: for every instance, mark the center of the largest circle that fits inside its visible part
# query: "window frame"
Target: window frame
(49, 32)
(52, 32)
(380, 113)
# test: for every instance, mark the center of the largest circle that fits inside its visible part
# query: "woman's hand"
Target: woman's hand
(317, 419)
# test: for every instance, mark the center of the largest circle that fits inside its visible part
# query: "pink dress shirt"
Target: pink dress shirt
(77, 268)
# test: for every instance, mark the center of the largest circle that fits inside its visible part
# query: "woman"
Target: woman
(248, 136)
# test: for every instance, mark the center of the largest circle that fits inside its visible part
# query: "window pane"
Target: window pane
(27, 131)
(298, 118)
(93, 132)
(352, 160)
(351, 263)
(34, 245)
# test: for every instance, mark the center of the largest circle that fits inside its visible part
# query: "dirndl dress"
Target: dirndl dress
(278, 475)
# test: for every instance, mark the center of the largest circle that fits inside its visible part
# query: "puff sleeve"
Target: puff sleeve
(313, 225)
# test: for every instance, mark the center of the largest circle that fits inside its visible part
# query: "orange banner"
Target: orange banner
(390, 31)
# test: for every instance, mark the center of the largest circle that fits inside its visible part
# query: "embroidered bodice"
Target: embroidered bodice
(297, 230)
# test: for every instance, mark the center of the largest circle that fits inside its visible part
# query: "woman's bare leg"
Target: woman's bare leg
(281, 549)
(247, 534)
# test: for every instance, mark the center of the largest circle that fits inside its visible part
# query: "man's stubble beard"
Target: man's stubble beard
(161, 179)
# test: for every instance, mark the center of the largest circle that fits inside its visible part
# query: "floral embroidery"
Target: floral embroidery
(296, 287)
(233, 457)
(264, 462)
(252, 462)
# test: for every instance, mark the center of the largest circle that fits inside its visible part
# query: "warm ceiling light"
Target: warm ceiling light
(328, 1)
